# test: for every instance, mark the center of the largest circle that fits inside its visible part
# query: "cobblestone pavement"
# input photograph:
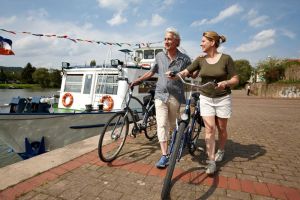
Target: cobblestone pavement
(261, 162)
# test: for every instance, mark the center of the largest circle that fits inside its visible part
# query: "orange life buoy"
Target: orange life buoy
(146, 65)
(67, 100)
(108, 102)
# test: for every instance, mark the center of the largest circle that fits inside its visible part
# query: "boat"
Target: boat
(87, 98)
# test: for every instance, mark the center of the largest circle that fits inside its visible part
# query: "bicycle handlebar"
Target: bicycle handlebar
(211, 83)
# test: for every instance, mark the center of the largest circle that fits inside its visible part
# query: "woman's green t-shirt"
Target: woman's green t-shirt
(220, 71)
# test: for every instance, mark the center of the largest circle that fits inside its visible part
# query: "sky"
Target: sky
(255, 30)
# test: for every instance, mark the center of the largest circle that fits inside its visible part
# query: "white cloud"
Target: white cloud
(168, 2)
(37, 14)
(7, 21)
(117, 20)
(119, 6)
(143, 23)
(261, 40)
(288, 33)
(157, 20)
(256, 21)
(50, 52)
(224, 14)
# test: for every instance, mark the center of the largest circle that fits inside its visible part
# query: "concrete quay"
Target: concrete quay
(261, 162)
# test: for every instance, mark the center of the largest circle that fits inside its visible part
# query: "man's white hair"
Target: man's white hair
(174, 32)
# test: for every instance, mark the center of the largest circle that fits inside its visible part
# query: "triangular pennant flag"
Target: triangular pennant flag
(5, 46)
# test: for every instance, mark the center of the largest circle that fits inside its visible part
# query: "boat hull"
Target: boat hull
(58, 129)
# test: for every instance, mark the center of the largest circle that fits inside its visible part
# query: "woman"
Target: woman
(215, 103)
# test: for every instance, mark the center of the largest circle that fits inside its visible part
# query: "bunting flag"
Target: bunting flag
(5, 46)
(120, 44)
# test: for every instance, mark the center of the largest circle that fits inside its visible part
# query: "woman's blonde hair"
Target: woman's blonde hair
(213, 36)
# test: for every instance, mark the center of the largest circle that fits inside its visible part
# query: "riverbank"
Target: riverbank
(19, 86)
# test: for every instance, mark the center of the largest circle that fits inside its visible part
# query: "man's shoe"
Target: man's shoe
(219, 155)
(163, 162)
(211, 167)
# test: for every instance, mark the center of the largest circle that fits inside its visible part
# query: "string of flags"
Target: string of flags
(138, 44)
(6, 46)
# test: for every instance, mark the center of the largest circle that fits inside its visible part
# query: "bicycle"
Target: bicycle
(117, 127)
(186, 134)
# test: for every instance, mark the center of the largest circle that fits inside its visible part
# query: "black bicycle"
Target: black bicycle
(186, 134)
(117, 127)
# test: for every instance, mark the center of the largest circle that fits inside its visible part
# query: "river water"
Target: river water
(7, 156)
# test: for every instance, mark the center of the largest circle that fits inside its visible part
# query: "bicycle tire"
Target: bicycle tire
(113, 137)
(173, 157)
(194, 136)
(150, 123)
(137, 106)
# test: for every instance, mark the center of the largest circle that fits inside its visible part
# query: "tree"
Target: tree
(93, 63)
(244, 70)
(41, 76)
(3, 77)
(273, 69)
(26, 75)
(55, 78)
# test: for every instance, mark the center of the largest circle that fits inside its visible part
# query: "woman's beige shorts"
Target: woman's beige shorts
(220, 106)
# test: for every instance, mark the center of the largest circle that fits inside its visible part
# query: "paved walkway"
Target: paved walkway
(262, 162)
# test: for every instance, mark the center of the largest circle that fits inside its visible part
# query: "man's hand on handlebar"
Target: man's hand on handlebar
(171, 75)
(134, 83)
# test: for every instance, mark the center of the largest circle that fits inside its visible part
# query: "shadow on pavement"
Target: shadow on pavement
(234, 152)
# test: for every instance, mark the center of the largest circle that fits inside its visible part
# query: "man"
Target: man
(169, 94)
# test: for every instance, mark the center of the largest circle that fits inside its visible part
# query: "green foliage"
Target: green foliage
(93, 63)
(274, 69)
(3, 77)
(19, 86)
(55, 78)
(12, 73)
(41, 76)
(244, 70)
(26, 75)
(44, 77)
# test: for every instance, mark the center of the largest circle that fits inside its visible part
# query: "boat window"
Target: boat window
(139, 54)
(157, 51)
(87, 84)
(147, 85)
(73, 83)
(107, 84)
(149, 54)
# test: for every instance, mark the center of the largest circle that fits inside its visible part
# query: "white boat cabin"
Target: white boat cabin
(82, 86)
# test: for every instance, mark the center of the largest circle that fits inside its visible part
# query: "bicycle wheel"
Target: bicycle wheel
(173, 157)
(194, 136)
(150, 123)
(137, 107)
(113, 137)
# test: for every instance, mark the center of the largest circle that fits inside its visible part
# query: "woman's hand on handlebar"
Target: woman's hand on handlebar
(222, 85)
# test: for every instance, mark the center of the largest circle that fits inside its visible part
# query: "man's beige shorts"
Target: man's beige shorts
(166, 114)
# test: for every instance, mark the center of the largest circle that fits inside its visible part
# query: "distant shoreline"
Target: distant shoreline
(19, 86)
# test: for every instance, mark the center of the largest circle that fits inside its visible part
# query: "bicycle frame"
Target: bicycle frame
(134, 115)
(180, 138)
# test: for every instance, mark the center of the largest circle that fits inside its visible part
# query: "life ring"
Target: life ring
(108, 102)
(145, 65)
(67, 100)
